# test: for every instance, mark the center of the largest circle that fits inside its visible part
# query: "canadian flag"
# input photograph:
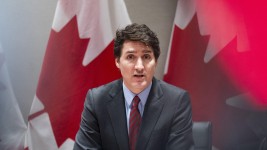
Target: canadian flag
(217, 53)
(12, 125)
(79, 56)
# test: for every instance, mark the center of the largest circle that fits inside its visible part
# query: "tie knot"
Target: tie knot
(136, 101)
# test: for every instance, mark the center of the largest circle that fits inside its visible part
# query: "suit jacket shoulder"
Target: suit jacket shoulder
(169, 88)
(104, 92)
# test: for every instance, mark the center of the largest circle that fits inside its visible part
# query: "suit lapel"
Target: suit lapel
(116, 109)
(151, 114)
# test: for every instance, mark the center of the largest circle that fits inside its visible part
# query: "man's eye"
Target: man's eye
(147, 57)
(130, 57)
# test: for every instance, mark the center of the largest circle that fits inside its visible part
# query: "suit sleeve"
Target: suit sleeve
(180, 136)
(88, 135)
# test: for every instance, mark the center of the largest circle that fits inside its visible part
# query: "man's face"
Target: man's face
(137, 65)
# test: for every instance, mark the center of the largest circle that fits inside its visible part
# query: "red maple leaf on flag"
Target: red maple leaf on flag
(228, 20)
(64, 81)
(209, 84)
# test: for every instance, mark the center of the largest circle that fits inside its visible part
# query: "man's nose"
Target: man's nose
(139, 64)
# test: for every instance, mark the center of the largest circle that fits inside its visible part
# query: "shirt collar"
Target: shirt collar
(130, 95)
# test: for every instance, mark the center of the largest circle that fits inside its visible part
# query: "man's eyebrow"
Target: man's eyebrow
(147, 51)
(144, 51)
(130, 51)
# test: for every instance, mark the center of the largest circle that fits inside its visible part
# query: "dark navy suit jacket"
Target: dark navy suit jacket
(166, 122)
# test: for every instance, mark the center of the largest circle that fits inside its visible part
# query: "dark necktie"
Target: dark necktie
(135, 121)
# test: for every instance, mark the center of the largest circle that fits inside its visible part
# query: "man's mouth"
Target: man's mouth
(139, 75)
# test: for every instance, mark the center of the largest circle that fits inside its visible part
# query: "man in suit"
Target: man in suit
(138, 111)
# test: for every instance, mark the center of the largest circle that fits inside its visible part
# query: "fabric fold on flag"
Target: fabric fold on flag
(12, 125)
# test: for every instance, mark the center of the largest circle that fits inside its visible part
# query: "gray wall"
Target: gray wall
(25, 27)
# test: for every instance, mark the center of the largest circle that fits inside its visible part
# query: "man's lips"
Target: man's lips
(139, 75)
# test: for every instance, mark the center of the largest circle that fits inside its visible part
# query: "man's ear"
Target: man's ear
(117, 61)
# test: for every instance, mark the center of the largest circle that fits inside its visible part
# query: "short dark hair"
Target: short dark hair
(136, 32)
